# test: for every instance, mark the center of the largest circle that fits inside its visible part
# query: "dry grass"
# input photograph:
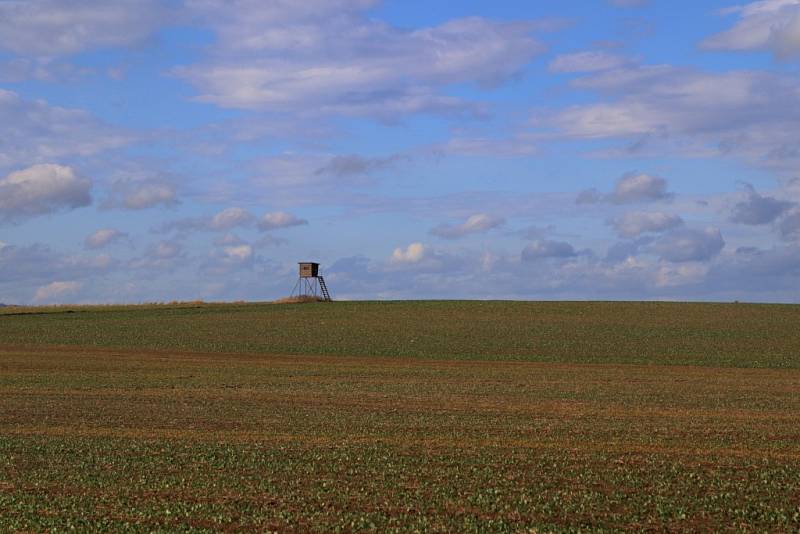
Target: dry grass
(301, 299)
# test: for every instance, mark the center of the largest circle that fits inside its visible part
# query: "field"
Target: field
(404, 416)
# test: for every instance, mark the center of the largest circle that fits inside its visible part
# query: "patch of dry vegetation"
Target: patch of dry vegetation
(300, 299)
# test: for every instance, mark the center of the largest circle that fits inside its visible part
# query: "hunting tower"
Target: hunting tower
(310, 283)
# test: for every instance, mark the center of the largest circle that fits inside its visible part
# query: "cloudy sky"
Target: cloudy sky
(585, 149)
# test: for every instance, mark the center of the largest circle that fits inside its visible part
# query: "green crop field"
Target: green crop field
(401, 416)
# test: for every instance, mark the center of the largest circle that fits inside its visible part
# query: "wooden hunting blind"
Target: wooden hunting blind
(310, 283)
(309, 269)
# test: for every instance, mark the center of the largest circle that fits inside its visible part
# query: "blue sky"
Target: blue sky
(197, 149)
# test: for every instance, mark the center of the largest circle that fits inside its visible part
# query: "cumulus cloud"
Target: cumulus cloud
(231, 218)
(637, 223)
(40, 189)
(56, 291)
(772, 25)
(413, 253)
(417, 259)
(630, 188)
(689, 245)
(55, 27)
(545, 248)
(103, 237)
(477, 223)
(141, 194)
(238, 253)
(661, 109)
(222, 221)
(279, 219)
(727, 276)
(323, 59)
(628, 249)
(589, 61)
(25, 268)
(639, 187)
(32, 131)
(758, 209)
(165, 250)
(164, 255)
(229, 258)
(229, 239)
(148, 195)
(29, 263)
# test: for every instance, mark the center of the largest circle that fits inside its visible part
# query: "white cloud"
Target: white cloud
(137, 183)
(639, 187)
(40, 189)
(56, 27)
(681, 274)
(221, 221)
(56, 291)
(332, 58)
(590, 61)
(637, 223)
(229, 239)
(229, 258)
(161, 256)
(413, 253)
(726, 276)
(477, 223)
(632, 187)
(103, 237)
(660, 109)
(32, 131)
(279, 219)
(144, 195)
(231, 218)
(772, 25)
(239, 253)
(165, 250)
(22, 266)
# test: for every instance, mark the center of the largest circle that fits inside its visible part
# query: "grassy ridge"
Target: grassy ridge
(736, 335)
